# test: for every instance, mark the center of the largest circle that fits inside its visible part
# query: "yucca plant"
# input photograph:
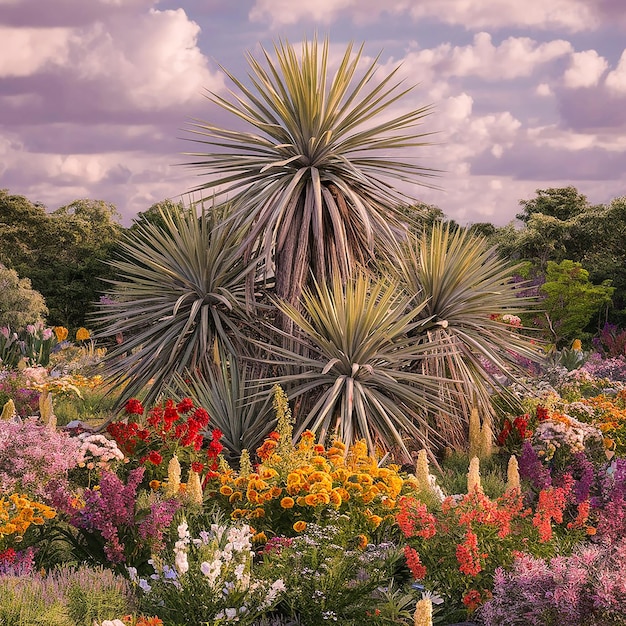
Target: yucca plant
(311, 173)
(356, 382)
(179, 291)
(238, 401)
(467, 289)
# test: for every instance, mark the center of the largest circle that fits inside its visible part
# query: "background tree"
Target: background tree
(571, 301)
(19, 303)
(61, 252)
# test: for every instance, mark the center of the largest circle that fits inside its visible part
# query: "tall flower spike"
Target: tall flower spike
(424, 613)
(194, 487)
(475, 439)
(245, 466)
(512, 474)
(486, 440)
(8, 411)
(473, 476)
(422, 471)
(284, 422)
(45, 406)
(173, 477)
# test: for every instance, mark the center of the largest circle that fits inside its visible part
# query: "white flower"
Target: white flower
(211, 570)
(181, 562)
(183, 530)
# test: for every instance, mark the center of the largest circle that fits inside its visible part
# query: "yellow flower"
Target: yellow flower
(577, 345)
(299, 526)
(61, 333)
(235, 497)
(287, 502)
(362, 541)
(259, 538)
(375, 520)
(225, 490)
(82, 334)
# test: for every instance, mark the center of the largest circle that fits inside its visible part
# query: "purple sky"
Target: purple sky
(527, 94)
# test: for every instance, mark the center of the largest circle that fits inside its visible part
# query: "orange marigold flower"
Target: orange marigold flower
(155, 484)
(299, 526)
(82, 334)
(236, 496)
(266, 450)
(287, 503)
(60, 332)
(225, 490)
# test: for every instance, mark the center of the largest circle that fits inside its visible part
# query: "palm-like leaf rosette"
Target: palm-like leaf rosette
(180, 289)
(311, 177)
(357, 382)
(468, 290)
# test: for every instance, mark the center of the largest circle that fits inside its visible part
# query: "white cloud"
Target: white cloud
(515, 57)
(572, 15)
(585, 70)
(163, 67)
(32, 49)
(616, 79)
(544, 89)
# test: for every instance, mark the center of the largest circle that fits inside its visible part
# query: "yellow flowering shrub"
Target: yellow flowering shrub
(17, 513)
(299, 483)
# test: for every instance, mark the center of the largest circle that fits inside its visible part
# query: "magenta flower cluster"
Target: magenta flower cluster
(110, 513)
(33, 457)
(587, 588)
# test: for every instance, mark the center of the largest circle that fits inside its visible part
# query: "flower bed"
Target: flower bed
(300, 533)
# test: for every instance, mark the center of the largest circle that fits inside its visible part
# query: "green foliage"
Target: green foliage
(61, 252)
(237, 401)
(310, 176)
(571, 300)
(20, 304)
(177, 292)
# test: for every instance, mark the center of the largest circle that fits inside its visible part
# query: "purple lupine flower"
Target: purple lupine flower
(532, 469)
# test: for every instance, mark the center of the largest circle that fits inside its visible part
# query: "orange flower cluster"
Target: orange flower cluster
(307, 478)
(413, 561)
(551, 504)
(469, 556)
(17, 513)
(609, 415)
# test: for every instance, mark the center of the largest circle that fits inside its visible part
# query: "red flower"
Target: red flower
(521, 424)
(505, 432)
(201, 416)
(413, 561)
(197, 467)
(8, 556)
(134, 407)
(542, 413)
(216, 434)
(155, 457)
(472, 599)
(215, 447)
(185, 405)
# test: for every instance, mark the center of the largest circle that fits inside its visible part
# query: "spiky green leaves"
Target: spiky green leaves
(358, 379)
(178, 291)
(312, 174)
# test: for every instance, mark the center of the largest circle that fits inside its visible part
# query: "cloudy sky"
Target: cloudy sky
(95, 95)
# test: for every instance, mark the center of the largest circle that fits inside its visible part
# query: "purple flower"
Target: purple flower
(532, 469)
